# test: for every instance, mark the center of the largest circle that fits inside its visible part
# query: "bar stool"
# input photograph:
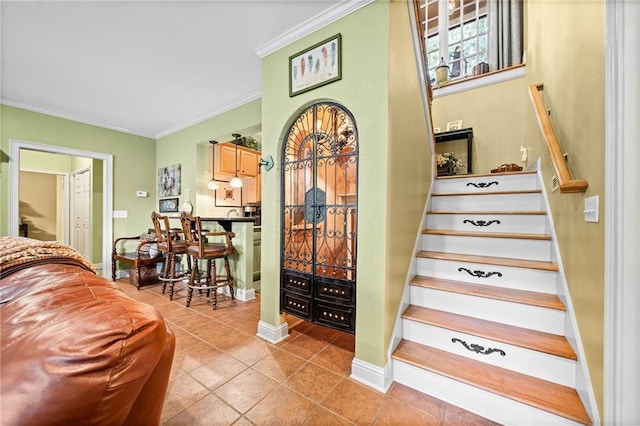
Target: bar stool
(172, 246)
(200, 249)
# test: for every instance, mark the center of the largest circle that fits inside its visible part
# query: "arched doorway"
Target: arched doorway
(319, 216)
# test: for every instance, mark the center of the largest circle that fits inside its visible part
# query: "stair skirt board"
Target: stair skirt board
(489, 405)
(526, 361)
(494, 222)
(517, 314)
(489, 246)
(489, 202)
(500, 276)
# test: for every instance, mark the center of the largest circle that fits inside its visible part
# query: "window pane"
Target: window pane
(433, 43)
(482, 24)
(469, 29)
(433, 59)
(469, 47)
(482, 43)
(454, 35)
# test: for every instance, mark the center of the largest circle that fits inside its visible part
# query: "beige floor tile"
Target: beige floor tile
(335, 359)
(282, 407)
(251, 351)
(313, 382)
(454, 416)
(246, 389)
(182, 393)
(395, 413)
(355, 402)
(304, 346)
(209, 411)
(279, 365)
(417, 399)
(218, 371)
(322, 417)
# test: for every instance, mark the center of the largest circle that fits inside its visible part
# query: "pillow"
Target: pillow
(150, 250)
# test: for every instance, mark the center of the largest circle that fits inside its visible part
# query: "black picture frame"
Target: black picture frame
(316, 66)
(169, 205)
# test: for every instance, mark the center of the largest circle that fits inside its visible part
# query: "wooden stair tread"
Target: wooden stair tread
(490, 260)
(522, 191)
(552, 344)
(522, 172)
(496, 212)
(554, 398)
(542, 300)
(511, 235)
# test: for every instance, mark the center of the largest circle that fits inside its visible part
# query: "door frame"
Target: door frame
(74, 205)
(15, 145)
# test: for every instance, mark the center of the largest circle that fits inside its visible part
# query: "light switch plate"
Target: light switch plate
(591, 208)
(120, 214)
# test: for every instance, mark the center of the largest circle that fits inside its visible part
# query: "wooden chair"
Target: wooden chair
(142, 262)
(172, 246)
(199, 248)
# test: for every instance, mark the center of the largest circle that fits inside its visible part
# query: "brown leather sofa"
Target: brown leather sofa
(75, 349)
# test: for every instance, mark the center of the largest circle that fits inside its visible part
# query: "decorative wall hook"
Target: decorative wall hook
(266, 162)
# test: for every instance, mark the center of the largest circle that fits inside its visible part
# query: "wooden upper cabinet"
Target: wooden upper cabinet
(226, 160)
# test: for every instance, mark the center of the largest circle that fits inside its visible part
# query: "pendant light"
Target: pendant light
(213, 185)
(236, 182)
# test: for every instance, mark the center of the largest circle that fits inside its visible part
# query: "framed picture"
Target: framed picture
(227, 196)
(168, 205)
(169, 181)
(454, 125)
(316, 66)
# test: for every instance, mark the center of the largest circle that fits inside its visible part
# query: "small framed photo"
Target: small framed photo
(227, 196)
(315, 66)
(168, 205)
(454, 125)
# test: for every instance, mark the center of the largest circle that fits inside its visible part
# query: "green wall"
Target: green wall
(391, 126)
(133, 162)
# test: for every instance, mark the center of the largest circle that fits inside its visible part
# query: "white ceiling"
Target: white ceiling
(145, 67)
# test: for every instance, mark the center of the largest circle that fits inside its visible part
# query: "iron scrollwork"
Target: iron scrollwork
(481, 222)
(474, 347)
(478, 273)
(483, 184)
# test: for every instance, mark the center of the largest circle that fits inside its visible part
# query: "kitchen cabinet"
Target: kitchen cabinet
(247, 160)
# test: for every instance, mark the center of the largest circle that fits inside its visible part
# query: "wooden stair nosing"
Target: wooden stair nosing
(531, 298)
(540, 341)
(548, 396)
(522, 172)
(490, 260)
(509, 235)
(496, 212)
(522, 191)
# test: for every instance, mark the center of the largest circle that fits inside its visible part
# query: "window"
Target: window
(457, 32)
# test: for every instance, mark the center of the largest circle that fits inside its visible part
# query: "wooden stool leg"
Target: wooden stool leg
(192, 281)
(172, 275)
(214, 283)
(163, 272)
(230, 279)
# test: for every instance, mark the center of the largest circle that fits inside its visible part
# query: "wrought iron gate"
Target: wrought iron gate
(319, 216)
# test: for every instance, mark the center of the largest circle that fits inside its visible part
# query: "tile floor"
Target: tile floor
(224, 375)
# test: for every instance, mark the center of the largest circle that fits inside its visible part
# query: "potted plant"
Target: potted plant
(448, 164)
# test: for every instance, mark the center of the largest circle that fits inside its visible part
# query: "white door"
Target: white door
(82, 213)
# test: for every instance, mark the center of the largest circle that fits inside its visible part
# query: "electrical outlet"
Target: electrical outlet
(591, 207)
(120, 214)
(554, 184)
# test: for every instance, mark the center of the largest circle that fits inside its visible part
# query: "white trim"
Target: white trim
(245, 295)
(107, 189)
(74, 118)
(475, 83)
(273, 334)
(375, 377)
(621, 295)
(235, 103)
(310, 26)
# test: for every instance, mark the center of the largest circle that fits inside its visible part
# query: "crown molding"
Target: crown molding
(244, 99)
(74, 118)
(311, 25)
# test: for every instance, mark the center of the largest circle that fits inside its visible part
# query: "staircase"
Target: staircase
(485, 327)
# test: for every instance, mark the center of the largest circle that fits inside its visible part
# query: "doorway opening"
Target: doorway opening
(102, 212)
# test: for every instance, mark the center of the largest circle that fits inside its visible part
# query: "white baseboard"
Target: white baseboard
(273, 334)
(245, 294)
(375, 377)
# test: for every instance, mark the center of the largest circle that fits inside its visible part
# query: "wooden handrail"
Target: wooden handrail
(566, 183)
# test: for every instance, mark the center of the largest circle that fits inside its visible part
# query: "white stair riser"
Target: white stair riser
(533, 363)
(510, 223)
(488, 202)
(513, 248)
(486, 404)
(505, 276)
(518, 314)
(481, 184)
